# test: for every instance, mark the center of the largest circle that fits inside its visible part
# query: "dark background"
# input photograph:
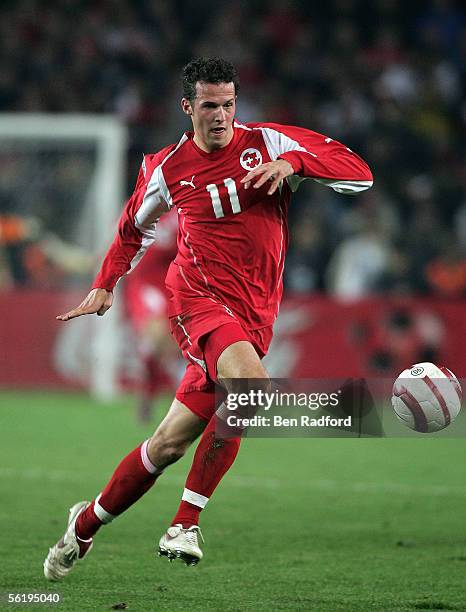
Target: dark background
(384, 77)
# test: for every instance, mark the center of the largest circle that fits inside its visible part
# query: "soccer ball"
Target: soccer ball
(426, 397)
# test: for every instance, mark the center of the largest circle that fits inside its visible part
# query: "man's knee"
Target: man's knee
(241, 371)
(240, 360)
(164, 449)
(174, 435)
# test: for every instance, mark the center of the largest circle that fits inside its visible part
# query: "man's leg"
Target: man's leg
(215, 455)
(135, 475)
(138, 471)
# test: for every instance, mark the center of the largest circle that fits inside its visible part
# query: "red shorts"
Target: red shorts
(202, 335)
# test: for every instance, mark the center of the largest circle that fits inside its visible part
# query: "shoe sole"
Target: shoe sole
(190, 560)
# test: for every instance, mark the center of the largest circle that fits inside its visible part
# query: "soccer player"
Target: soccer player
(231, 185)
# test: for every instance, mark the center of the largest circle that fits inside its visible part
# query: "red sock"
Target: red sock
(87, 524)
(212, 459)
(133, 477)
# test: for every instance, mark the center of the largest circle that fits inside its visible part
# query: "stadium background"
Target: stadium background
(373, 283)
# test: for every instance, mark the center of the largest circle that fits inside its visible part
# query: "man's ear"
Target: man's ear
(186, 106)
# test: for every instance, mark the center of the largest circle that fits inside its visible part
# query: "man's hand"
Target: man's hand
(274, 171)
(98, 301)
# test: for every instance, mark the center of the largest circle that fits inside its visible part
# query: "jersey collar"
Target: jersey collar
(218, 152)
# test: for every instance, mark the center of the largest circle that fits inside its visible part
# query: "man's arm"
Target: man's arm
(309, 154)
(136, 232)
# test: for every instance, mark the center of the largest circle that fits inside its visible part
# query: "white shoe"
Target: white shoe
(63, 556)
(179, 543)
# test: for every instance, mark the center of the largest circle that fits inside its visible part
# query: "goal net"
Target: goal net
(62, 185)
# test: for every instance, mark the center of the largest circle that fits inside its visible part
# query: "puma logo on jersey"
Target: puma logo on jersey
(189, 183)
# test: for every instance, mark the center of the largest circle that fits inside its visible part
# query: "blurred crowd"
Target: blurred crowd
(382, 76)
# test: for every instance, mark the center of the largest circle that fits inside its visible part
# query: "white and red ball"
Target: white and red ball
(426, 397)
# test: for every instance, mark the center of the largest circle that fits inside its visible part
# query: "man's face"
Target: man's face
(212, 112)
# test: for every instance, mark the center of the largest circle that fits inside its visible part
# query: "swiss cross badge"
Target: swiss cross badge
(250, 158)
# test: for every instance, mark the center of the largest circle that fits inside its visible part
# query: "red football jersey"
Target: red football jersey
(231, 241)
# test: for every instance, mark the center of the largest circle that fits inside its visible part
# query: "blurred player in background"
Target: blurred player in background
(231, 185)
(146, 306)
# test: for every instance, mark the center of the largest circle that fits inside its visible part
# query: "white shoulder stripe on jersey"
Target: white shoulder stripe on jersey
(157, 189)
(153, 199)
(276, 142)
(156, 194)
(166, 195)
(242, 126)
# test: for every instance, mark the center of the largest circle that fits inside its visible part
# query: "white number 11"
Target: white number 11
(216, 202)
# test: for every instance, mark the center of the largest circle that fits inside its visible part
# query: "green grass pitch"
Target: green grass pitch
(297, 524)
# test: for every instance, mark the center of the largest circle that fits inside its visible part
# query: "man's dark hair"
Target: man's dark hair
(209, 70)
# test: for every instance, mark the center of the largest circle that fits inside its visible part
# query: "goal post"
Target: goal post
(42, 155)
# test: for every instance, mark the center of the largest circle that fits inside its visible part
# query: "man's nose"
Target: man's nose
(220, 114)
